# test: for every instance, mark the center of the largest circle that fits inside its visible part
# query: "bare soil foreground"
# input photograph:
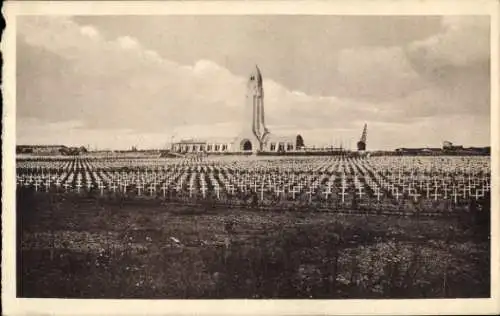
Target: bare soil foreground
(80, 247)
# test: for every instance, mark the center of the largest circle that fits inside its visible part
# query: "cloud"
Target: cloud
(115, 83)
(89, 31)
(376, 73)
(443, 74)
(127, 42)
(456, 65)
(464, 40)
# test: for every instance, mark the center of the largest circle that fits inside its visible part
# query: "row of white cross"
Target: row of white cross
(341, 178)
(415, 165)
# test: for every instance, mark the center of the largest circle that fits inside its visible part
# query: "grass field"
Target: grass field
(71, 246)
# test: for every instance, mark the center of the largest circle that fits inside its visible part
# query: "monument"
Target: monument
(254, 137)
(362, 141)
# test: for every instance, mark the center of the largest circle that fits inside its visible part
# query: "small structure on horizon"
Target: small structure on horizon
(362, 140)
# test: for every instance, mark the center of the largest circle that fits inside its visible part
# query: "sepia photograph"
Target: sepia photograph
(258, 156)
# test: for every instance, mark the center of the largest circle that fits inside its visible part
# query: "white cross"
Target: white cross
(203, 190)
(360, 192)
(404, 187)
(101, 187)
(255, 186)
(124, 186)
(343, 194)
(139, 187)
(217, 191)
(327, 193)
(262, 191)
(428, 190)
(310, 193)
(415, 195)
(445, 190)
(436, 194)
(164, 188)
(465, 190)
(397, 194)
(279, 191)
(455, 195)
(151, 189)
(294, 191)
(478, 194)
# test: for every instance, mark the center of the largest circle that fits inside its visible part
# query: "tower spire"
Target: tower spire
(258, 75)
(363, 136)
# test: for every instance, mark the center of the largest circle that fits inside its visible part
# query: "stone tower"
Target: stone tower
(254, 126)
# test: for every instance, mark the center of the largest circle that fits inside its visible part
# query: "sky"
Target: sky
(112, 82)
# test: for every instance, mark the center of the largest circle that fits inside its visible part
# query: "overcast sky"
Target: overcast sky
(116, 81)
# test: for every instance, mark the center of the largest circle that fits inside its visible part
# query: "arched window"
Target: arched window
(299, 142)
(246, 145)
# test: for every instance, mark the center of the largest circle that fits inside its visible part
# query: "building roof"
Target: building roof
(191, 141)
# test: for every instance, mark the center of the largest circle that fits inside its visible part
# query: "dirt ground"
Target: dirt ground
(76, 247)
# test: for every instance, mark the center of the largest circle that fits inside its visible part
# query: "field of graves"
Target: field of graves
(249, 227)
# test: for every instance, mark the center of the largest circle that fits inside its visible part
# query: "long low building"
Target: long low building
(238, 145)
